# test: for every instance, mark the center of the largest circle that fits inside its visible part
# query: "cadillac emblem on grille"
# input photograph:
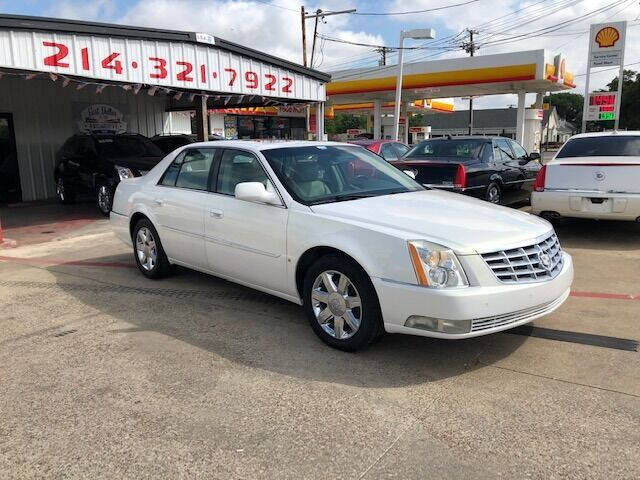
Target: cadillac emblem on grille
(545, 260)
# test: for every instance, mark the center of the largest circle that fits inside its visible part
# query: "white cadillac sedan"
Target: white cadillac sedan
(593, 175)
(337, 229)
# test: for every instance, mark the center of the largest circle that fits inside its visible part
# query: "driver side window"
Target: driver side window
(521, 153)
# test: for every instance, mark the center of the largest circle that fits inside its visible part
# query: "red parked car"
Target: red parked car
(390, 150)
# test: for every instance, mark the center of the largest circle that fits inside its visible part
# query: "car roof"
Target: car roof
(467, 137)
(368, 142)
(255, 146)
(611, 133)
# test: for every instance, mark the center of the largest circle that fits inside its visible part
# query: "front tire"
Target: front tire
(105, 199)
(341, 304)
(148, 252)
(494, 193)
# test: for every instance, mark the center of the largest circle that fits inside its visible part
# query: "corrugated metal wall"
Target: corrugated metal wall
(44, 117)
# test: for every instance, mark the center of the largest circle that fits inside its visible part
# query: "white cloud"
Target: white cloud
(264, 27)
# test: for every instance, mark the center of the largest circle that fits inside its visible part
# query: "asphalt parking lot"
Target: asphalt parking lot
(106, 374)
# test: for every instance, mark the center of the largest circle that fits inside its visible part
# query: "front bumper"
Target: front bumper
(490, 308)
(574, 203)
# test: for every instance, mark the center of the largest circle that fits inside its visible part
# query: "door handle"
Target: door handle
(215, 213)
(158, 202)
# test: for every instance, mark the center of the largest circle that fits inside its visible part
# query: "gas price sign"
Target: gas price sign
(602, 106)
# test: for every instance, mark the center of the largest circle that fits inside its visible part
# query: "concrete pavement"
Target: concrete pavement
(106, 374)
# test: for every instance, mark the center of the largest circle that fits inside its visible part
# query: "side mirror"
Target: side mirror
(534, 156)
(256, 192)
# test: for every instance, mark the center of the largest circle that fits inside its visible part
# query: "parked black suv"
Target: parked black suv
(95, 164)
(496, 169)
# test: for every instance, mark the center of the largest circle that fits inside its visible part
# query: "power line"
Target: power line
(444, 7)
(276, 5)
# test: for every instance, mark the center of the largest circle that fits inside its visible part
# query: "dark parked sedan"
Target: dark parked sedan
(484, 167)
(95, 164)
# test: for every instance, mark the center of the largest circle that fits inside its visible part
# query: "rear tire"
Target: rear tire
(341, 304)
(494, 193)
(148, 251)
(65, 194)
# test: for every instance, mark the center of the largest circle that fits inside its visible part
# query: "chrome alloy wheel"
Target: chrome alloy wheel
(146, 249)
(336, 304)
(493, 195)
(60, 188)
(104, 199)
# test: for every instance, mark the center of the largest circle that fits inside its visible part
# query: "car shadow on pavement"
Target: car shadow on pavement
(260, 331)
(597, 234)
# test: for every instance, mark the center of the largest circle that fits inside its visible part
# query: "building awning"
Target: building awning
(530, 71)
(166, 59)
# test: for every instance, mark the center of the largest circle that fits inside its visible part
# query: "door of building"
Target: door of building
(10, 190)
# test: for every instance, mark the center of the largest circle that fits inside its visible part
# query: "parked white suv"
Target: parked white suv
(594, 175)
(337, 229)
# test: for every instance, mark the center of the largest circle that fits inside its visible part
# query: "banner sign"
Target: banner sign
(101, 118)
(162, 63)
(607, 44)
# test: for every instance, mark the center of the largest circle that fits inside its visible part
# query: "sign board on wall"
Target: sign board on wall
(163, 63)
(607, 44)
(602, 106)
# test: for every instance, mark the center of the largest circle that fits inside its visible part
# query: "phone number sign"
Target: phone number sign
(166, 64)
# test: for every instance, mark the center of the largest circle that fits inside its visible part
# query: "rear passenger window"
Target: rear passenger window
(194, 171)
(170, 175)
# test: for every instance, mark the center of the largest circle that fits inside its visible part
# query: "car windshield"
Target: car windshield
(331, 173)
(447, 148)
(128, 146)
(601, 146)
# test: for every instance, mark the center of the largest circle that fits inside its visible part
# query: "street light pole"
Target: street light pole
(418, 33)
(396, 114)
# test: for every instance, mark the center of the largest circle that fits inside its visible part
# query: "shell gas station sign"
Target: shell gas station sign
(606, 49)
(607, 44)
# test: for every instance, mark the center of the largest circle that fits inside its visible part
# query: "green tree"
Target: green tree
(630, 106)
(417, 120)
(342, 122)
(568, 105)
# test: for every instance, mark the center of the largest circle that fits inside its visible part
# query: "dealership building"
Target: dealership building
(60, 77)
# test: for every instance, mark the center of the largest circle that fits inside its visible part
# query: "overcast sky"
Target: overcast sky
(274, 27)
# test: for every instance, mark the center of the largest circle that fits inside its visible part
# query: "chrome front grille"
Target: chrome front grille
(532, 263)
(479, 324)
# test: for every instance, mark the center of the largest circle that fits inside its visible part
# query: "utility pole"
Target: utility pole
(383, 55)
(470, 48)
(304, 36)
(315, 35)
(319, 14)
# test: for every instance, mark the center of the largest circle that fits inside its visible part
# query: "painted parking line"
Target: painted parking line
(614, 296)
(616, 343)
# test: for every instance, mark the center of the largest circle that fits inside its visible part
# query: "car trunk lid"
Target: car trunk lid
(598, 174)
(444, 172)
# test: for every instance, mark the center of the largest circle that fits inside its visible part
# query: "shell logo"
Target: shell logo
(607, 37)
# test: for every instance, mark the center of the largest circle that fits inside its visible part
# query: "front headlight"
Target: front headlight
(124, 172)
(436, 266)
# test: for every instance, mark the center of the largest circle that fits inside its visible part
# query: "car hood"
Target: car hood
(137, 163)
(465, 224)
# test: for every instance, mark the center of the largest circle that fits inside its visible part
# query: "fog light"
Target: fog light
(438, 324)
